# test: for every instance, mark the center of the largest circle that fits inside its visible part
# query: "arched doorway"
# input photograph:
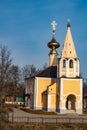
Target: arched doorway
(70, 102)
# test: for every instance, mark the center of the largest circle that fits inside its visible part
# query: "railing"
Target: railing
(11, 118)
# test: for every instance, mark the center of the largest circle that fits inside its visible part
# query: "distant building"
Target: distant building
(85, 96)
(10, 99)
(16, 96)
(58, 87)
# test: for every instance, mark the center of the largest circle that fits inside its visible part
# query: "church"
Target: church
(59, 87)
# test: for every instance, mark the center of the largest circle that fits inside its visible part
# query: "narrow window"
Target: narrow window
(64, 63)
(71, 63)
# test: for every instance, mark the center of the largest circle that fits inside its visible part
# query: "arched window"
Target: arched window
(64, 63)
(71, 63)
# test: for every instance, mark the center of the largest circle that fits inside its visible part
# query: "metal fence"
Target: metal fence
(11, 118)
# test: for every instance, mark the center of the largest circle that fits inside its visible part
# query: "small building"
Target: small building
(85, 96)
(16, 96)
(19, 100)
(59, 87)
(10, 99)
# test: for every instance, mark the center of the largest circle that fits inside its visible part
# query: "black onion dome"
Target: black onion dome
(68, 25)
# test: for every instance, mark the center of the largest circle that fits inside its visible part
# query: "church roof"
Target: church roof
(68, 50)
(50, 72)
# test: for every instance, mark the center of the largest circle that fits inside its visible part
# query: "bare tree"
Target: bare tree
(5, 64)
(44, 66)
(14, 75)
(28, 71)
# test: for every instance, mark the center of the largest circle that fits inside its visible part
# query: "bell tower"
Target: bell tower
(69, 62)
(70, 81)
(53, 45)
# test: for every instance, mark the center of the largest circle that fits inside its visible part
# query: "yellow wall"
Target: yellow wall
(53, 101)
(45, 85)
(53, 90)
(71, 87)
(50, 87)
(42, 84)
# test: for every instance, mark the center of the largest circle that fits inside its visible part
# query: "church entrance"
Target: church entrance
(70, 102)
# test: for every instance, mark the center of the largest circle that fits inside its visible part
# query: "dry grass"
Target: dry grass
(11, 105)
(36, 126)
(8, 107)
(84, 111)
(38, 111)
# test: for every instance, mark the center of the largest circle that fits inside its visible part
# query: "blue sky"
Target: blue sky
(25, 28)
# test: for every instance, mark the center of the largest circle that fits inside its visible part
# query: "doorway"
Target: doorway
(70, 102)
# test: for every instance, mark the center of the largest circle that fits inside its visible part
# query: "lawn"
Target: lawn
(38, 111)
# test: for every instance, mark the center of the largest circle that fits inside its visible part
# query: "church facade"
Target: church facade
(59, 87)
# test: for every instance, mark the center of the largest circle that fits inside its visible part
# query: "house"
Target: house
(85, 95)
(15, 96)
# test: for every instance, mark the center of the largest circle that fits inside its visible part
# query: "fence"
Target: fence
(47, 120)
(11, 118)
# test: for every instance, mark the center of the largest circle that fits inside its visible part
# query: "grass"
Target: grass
(39, 126)
(11, 105)
(38, 111)
(8, 107)
(45, 112)
(84, 111)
